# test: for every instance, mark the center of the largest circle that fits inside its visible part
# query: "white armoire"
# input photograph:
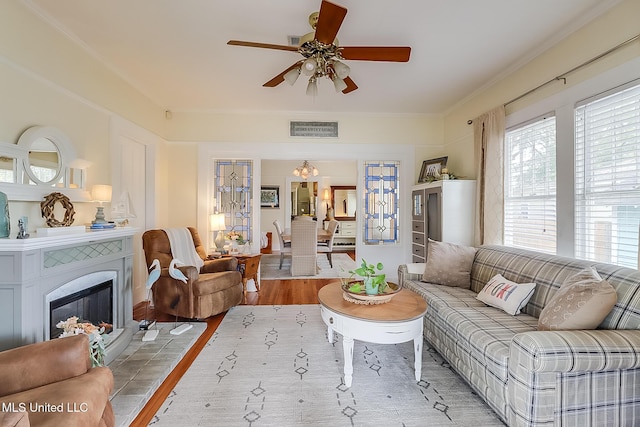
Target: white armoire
(443, 211)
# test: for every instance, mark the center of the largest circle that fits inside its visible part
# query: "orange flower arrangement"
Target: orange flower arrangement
(71, 326)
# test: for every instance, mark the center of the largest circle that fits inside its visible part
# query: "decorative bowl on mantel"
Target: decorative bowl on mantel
(362, 298)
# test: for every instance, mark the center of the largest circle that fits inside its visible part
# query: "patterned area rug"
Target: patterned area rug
(273, 366)
(269, 266)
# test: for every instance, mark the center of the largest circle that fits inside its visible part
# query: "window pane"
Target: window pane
(233, 182)
(530, 186)
(608, 177)
(381, 202)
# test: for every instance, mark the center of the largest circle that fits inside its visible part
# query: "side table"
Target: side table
(248, 265)
(399, 320)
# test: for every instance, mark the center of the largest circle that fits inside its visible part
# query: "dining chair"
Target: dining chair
(327, 245)
(285, 247)
(304, 247)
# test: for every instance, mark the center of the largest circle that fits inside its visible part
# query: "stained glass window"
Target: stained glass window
(233, 181)
(381, 180)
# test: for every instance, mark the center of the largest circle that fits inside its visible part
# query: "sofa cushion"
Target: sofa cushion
(472, 337)
(445, 295)
(449, 264)
(506, 295)
(582, 302)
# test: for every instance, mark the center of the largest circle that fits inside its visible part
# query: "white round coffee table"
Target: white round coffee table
(397, 321)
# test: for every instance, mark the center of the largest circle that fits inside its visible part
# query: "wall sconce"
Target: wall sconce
(326, 197)
(100, 193)
(217, 223)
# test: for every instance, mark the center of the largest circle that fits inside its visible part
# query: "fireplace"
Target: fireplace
(40, 270)
(89, 297)
(94, 305)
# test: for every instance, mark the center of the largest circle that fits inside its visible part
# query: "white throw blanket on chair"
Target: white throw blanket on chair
(183, 248)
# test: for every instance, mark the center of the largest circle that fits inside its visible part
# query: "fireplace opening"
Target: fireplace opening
(94, 304)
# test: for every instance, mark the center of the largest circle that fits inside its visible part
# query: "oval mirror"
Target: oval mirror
(44, 161)
(48, 148)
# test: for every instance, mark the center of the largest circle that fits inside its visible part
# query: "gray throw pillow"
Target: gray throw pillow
(449, 264)
(582, 302)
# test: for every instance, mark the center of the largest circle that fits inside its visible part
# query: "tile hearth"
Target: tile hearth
(140, 369)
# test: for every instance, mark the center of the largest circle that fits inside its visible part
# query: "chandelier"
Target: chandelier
(305, 170)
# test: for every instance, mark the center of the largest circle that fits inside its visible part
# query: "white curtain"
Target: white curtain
(488, 135)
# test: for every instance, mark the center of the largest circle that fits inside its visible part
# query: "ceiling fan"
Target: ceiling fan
(322, 53)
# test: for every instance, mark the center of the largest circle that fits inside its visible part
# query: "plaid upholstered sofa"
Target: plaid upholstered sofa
(531, 377)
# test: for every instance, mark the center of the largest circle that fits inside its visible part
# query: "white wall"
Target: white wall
(612, 28)
(46, 79)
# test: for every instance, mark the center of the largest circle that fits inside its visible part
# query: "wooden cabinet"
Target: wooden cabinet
(444, 211)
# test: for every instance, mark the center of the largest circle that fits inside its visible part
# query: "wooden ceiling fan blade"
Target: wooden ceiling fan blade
(262, 45)
(280, 77)
(329, 22)
(376, 53)
(351, 85)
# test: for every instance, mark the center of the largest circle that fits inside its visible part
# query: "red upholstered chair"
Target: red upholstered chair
(214, 289)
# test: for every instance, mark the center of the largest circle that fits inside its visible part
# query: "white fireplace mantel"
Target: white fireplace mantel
(33, 268)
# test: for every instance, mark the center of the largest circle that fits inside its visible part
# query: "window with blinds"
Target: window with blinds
(607, 200)
(530, 186)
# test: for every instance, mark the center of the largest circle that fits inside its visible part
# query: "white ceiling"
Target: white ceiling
(175, 51)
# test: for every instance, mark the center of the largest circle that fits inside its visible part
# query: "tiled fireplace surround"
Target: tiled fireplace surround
(34, 269)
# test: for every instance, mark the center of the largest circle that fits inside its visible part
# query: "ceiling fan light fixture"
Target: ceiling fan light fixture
(312, 87)
(292, 75)
(342, 70)
(339, 83)
(307, 38)
(309, 66)
(323, 54)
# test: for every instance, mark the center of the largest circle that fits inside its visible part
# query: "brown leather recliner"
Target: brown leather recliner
(214, 289)
(52, 383)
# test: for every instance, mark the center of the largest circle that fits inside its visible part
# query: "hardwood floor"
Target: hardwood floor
(272, 292)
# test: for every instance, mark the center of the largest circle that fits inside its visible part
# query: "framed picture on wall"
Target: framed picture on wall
(432, 168)
(270, 196)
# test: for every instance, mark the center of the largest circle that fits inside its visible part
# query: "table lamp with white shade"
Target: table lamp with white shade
(217, 223)
(327, 199)
(100, 193)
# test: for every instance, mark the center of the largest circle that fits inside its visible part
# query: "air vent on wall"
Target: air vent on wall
(314, 129)
(294, 40)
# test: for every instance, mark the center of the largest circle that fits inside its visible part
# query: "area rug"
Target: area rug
(273, 366)
(269, 266)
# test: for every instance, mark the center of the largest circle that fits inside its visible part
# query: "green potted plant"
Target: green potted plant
(374, 282)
